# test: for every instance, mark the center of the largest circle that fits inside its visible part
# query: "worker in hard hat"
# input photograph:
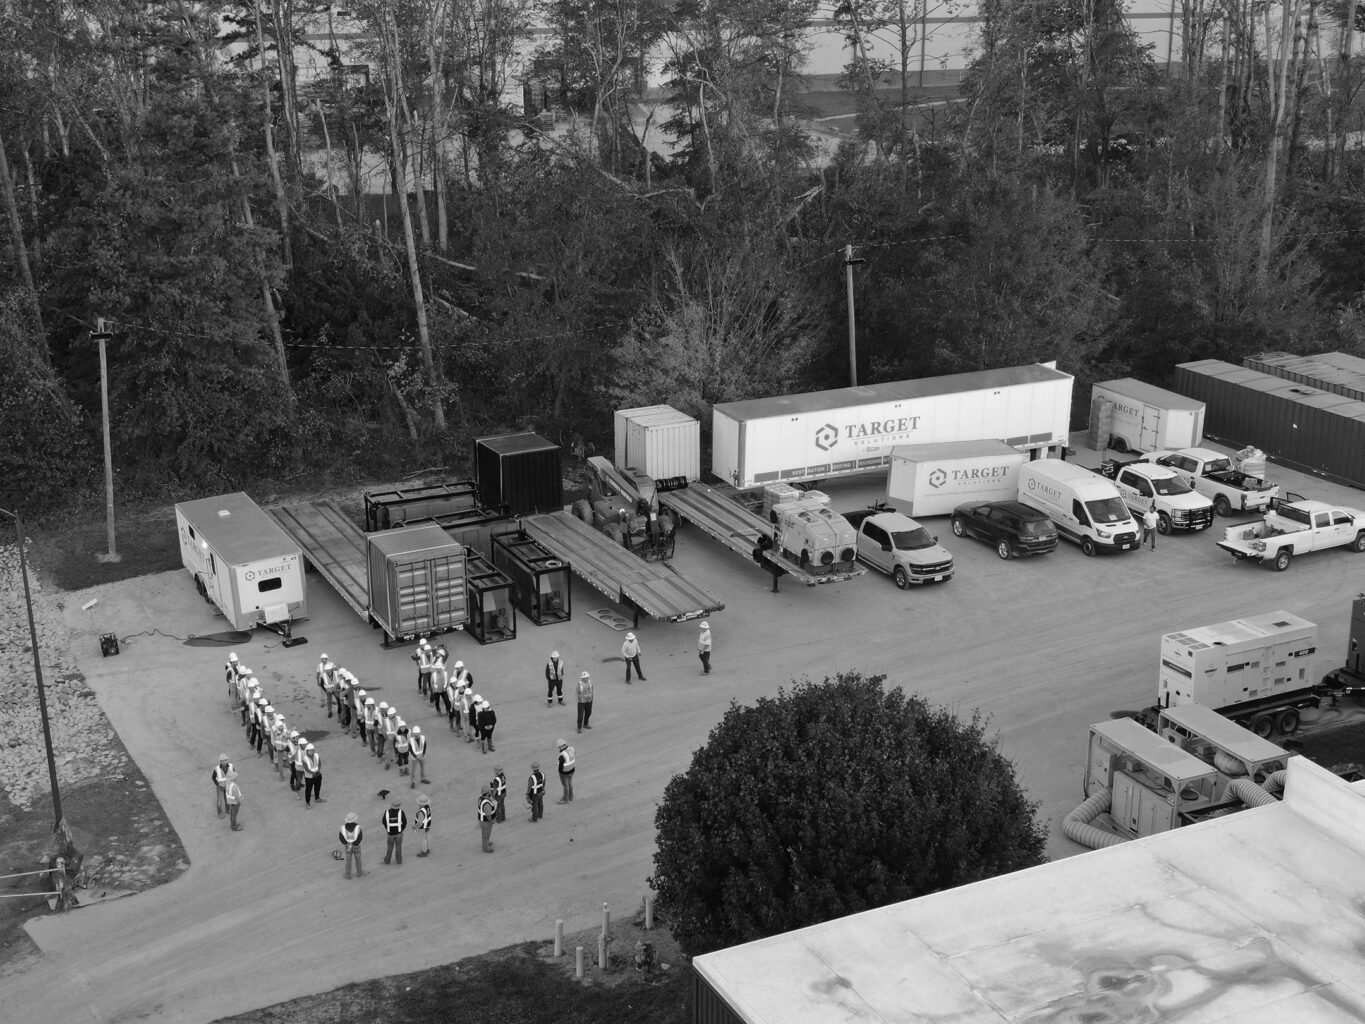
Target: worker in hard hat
(584, 701)
(230, 676)
(419, 756)
(704, 648)
(554, 679)
(630, 651)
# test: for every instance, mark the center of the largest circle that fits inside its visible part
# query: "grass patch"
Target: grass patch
(64, 554)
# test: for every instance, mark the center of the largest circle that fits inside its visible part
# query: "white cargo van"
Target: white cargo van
(1087, 509)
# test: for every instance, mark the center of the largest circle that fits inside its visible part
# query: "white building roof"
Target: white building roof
(1254, 918)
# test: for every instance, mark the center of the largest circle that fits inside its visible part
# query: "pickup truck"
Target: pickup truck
(1144, 485)
(1295, 528)
(895, 544)
(1212, 475)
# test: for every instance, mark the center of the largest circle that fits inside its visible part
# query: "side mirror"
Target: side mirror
(886, 547)
(935, 538)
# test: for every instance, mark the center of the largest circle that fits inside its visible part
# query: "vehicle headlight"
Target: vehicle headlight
(1258, 545)
(1103, 534)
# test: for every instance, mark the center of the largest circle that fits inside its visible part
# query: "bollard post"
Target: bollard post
(606, 919)
(602, 952)
(649, 912)
(559, 938)
(578, 962)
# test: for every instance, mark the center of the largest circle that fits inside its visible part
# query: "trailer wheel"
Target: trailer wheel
(1087, 547)
(1358, 545)
(1118, 444)
(1263, 726)
(1287, 721)
(901, 577)
(1282, 559)
(1221, 506)
(1163, 524)
(617, 533)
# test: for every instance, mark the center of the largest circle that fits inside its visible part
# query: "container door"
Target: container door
(1150, 439)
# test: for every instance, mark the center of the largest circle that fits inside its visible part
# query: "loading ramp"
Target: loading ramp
(650, 587)
(333, 545)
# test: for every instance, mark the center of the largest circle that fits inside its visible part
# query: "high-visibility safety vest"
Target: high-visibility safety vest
(311, 763)
(536, 782)
(425, 657)
(440, 678)
(585, 690)
(351, 835)
(279, 732)
(292, 747)
(229, 671)
(321, 672)
(329, 680)
(220, 773)
(419, 745)
(401, 743)
(462, 677)
(424, 818)
(487, 808)
(554, 670)
(299, 751)
(499, 784)
(233, 792)
(395, 821)
(566, 760)
(390, 724)
(371, 714)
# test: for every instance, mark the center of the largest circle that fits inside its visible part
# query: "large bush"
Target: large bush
(833, 798)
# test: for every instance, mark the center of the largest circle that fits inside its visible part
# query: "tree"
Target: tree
(830, 799)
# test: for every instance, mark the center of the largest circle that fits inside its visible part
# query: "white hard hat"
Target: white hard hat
(483, 704)
(293, 733)
(383, 704)
(401, 723)
(416, 729)
(232, 656)
(279, 716)
(360, 693)
(369, 700)
(323, 656)
(459, 664)
(554, 654)
(309, 747)
(426, 643)
(478, 699)
(706, 625)
(269, 710)
(392, 711)
(262, 701)
(585, 676)
(630, 636)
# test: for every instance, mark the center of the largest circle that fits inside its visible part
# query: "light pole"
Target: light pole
(58, 824)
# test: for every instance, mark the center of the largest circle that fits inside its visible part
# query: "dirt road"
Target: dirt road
(1045, 647)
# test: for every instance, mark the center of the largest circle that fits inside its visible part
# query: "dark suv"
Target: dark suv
(1014, 528)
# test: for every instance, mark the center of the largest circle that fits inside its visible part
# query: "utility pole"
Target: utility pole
(102, 335)
(849, 261)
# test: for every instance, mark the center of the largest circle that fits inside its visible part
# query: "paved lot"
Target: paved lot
(1045, 647)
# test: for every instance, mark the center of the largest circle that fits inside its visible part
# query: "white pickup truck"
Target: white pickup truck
(1213, 475)
(1295, 529)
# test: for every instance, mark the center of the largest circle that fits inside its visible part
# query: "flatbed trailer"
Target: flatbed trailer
(333, 545)
(720, 517)
(650, 587)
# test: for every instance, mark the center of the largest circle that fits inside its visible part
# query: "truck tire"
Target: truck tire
(1002, 548)
(1358, 545)
(1163, 524)
(1287, 721)
(617, 533)
(1221, 505)
(582, 509)
(958, 527)
(1087, 547)
(1263, 726)
(1282, 559)
(1118, 444)
(901, 577)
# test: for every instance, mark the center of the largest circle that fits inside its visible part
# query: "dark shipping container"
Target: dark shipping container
(708, 1005)
(416, 581)
(385, 510)
(521, 471)
(542, 582)
(1322, 372)
(1303, 427)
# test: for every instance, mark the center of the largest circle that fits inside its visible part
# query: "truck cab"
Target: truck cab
(897, 545)
(1178, 506)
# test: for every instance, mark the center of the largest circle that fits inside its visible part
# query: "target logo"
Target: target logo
(938, 478)
(827, 437)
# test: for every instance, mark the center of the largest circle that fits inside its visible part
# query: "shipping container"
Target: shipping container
(933, 479)
(242, 562)
(473, 528)
(1295, 425)
(659, 441)
(488, 590)
(386, 509)
(416, 582)
(542, 583)
(1144, 418)
(1331, 371)
(521, 471)
(853, 430)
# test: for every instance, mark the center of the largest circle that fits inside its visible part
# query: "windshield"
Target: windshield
(912, 540)
(1035, 528)
(1217, 466)
(1171, 485)
(1107, 510)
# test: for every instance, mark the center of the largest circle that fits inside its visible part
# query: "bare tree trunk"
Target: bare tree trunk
(281, 200)
(268, 301)
(1344, 88)
(331, 169)
(1279, 95)
(21, 254)
(1302, 40)
(404, 406)
(1223, 91)
(284, 60)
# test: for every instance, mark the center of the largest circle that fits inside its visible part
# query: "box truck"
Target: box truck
(242, 562)
(823, 434)
(933, 479)
(1086, 508)
(1130, 416)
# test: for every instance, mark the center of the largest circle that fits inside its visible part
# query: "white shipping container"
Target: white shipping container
(853, 430)
(1146, 418)
(933, 479)
(659, 441)
(241, 560)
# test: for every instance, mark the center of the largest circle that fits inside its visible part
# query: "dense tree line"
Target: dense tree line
(164, 165)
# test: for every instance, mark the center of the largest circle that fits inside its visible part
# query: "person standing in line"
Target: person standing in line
(463, 683)
(584, 701)
(488, 721)
(321, 675)
(253, 724)
(1149, 525)
(230, 673)
(402, 746)
(351, 835)
(419, 757)
(243, 691)
(423, 657)
(346, 686)
(312, 776)
(291, 751)
(232, 793)
(704, 648)
(364, 713)
(279, 737)
(300, 749)
(498, 785)
(455, 706)
(422, 823)
(272, 722)
(381, 715)
(630, 650)
(395, 824)
(535, 792)
(221, 771)
(388, 736)
(330, 687)
(487, 810)
(440, 685)
(475, 713)
(567, 764)
(554, 679)
(263, 729)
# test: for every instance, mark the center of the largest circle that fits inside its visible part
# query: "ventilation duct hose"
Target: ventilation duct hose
(1076, 825)
(1228, 765)
(1274, 783)
(1249, 793)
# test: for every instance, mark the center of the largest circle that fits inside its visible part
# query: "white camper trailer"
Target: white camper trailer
(242, 562)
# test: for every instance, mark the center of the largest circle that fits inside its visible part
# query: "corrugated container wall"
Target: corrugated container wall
(708, 1007)
(659, 441)
(521, 471)
(1321, 372)
(416, 580)
(1299, 426)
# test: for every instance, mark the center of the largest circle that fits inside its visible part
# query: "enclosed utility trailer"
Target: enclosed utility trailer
(416, 583)
(933, 479)
(242, 562)
(1139, 417)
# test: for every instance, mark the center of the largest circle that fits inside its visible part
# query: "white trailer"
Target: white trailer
(242, 562)
(659, 441)
(933, 479)
(1138, 417)
(823, 434)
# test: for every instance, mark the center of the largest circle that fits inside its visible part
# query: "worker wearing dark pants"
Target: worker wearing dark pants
(535, 792)
(487, 810)
(488, 721)
(499, 788)
(554, 678)
(630, 654)
(584, 701)
(395, 824)
(567, 765)
(704, 648)
(1149, 526)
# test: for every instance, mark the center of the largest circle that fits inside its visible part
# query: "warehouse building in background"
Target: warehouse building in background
(1253, 918)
